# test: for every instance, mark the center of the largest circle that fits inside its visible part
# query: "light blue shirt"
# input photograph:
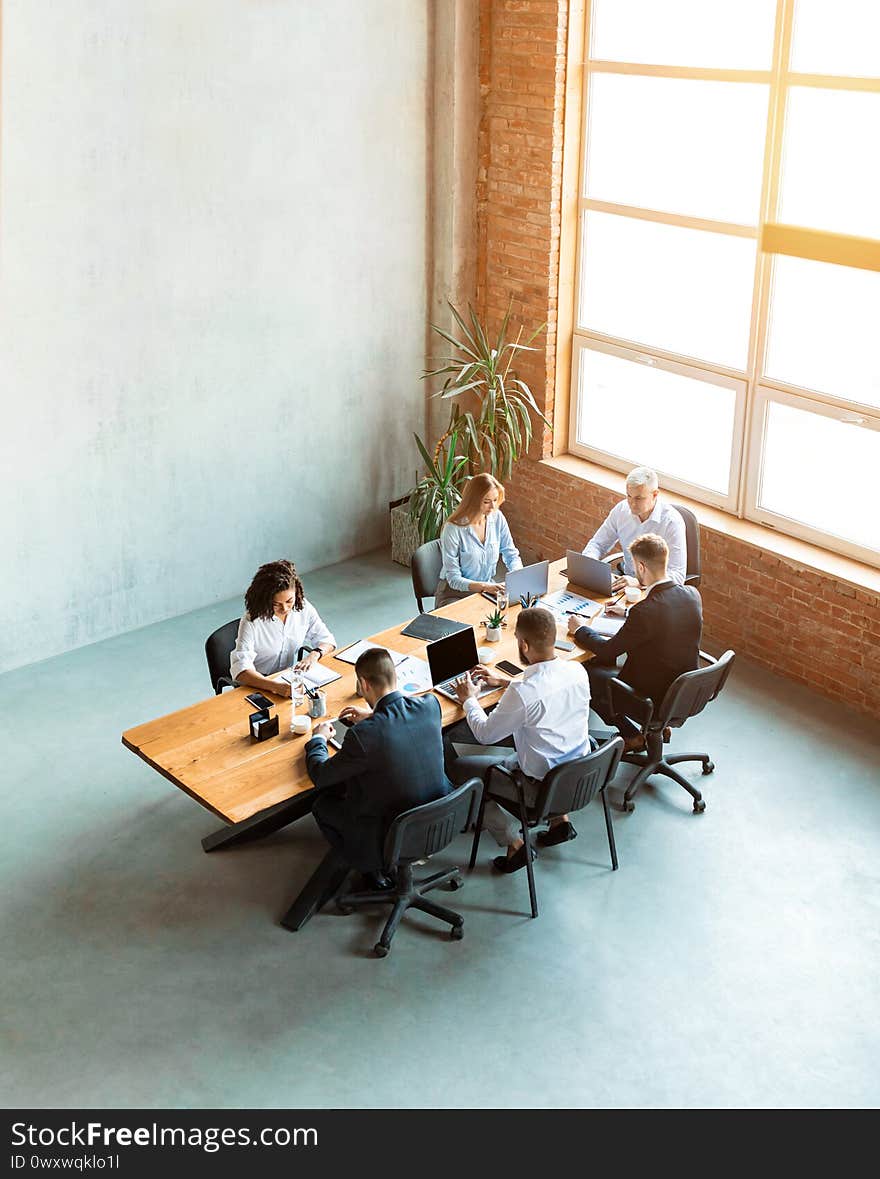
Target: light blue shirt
(465, 559)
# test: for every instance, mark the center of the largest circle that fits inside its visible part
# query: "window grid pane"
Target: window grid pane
(682, 290)
(797, 445)
(684, 32)
(685, 291)
(691, 147)
(642, 413)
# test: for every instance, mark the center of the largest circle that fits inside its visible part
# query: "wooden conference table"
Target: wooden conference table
(259, 787)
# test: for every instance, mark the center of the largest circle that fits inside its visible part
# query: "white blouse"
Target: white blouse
(267, 645)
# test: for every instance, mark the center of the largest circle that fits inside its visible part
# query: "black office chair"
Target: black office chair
(693, 570)
(684, 698)
(567, 788)
(415, 835)
(427, 561)
(218, 647)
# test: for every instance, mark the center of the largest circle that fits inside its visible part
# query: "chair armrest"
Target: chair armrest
(707, 658)
(497, 769)
(612, 557)
(645, 705)
(225, 681)
(304, 651)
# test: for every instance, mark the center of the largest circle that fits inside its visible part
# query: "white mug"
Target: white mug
(632, 593)
(300, 725)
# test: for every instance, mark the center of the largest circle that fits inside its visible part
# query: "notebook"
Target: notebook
(431, 627)
(317, 676)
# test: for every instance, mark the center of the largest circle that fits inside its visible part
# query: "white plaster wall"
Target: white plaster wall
(212, 298)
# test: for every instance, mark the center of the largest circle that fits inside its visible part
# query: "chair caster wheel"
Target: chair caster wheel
(346, 909)
(456, 933)
(381, 951)
(455, 884)
(699, 806)
(627, 806)
(708, 767)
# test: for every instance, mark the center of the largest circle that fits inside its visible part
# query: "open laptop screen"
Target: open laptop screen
(453, 655)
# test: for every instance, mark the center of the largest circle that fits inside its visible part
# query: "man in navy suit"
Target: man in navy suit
(660, 638)
(391, 760)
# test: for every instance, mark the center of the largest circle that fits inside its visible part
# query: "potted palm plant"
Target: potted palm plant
(490, 437)
(499, 430)
(437, 494)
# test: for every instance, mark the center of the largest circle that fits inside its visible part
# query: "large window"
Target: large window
(727, 302)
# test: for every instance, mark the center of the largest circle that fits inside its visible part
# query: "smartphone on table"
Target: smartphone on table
(508, 668)
(259, 700)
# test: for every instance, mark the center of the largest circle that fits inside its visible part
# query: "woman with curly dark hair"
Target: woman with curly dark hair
(279, 620)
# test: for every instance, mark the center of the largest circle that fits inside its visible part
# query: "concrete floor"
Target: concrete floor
(732, 961)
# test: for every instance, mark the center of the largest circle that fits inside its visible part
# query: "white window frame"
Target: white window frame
(626, 463)
(753, 387)
(852, 415)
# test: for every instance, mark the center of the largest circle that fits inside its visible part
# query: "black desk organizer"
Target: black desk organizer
(263, 725)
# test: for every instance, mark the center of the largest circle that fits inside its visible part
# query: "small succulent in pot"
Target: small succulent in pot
(493, 624)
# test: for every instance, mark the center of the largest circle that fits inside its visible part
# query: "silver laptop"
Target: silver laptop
(533, 579)
(450, 658)
(595, 576)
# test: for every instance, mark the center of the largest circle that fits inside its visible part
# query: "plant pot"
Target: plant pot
(404, 535)
(493, 634)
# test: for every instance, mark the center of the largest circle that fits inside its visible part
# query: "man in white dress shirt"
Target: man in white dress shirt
(641, 512)
(546, 714)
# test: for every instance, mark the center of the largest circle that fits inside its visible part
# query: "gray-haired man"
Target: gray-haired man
(641, 512)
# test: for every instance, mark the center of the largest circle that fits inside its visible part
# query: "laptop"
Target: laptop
(533, 579)
(450, 658)
(595, 576)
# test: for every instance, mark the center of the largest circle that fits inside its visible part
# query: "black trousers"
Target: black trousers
(602, 702)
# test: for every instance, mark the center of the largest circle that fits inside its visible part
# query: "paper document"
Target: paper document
(566, 602)
(607, 626)
(353, 653)
(413, 675)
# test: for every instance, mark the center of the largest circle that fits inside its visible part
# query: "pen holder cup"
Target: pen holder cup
(317, 705)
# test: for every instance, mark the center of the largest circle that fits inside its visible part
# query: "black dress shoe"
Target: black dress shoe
(515, 862)
(558, 833)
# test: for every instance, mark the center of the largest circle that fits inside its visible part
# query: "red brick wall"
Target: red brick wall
(805, 625)
(522, 82)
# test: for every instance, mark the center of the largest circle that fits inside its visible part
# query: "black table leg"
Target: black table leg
(265, 822)
(324, 882)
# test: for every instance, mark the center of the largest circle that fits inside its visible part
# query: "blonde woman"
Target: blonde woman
(473, 538)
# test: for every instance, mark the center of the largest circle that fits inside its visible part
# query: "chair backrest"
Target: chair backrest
(418, 833)
(427, 561)
(218, 648)
(692, 691)
(574, 784)
(693, 572)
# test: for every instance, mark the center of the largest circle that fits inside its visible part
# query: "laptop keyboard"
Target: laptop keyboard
(449, 686)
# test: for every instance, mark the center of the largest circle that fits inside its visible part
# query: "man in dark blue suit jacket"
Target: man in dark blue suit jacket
(391, 760)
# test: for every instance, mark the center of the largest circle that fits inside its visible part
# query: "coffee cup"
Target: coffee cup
(300, 725)
(632, 593)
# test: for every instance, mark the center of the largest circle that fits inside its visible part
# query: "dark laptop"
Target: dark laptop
(450, 658)
(595, 576)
